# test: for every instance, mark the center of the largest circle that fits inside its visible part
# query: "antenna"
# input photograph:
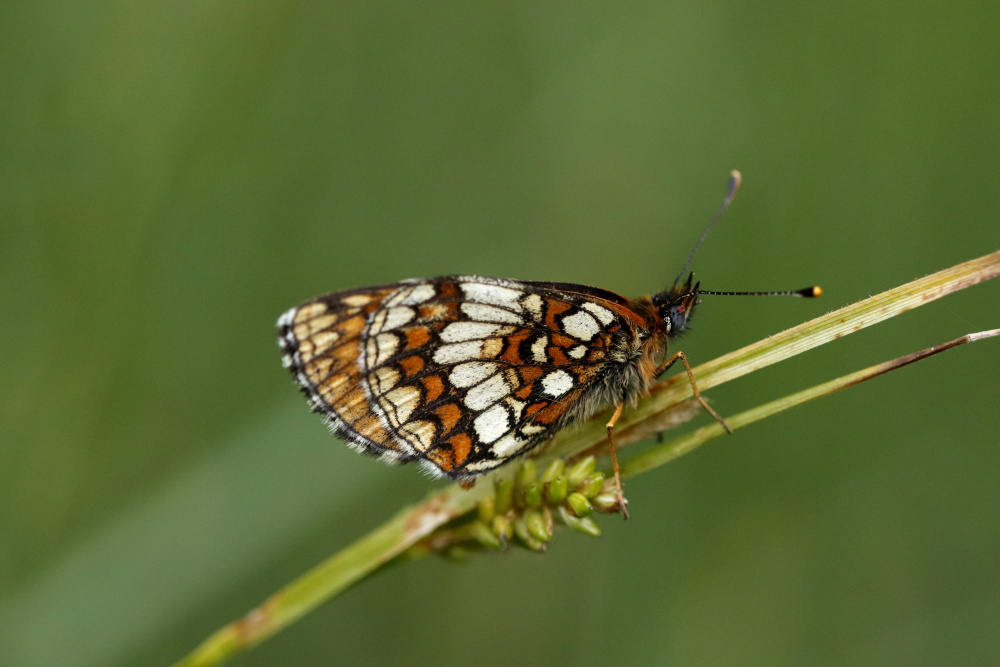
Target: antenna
(806, 292)
(735, 179)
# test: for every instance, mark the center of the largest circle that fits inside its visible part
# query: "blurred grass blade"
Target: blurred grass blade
(336, 573)
(669, 398)
(669, 451)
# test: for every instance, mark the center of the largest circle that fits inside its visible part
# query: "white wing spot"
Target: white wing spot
(397, 317)
(481, 466)
(390, 318)
(402, 402)
(581, 326)
(516, 407)
(508, 445)
(600, 312)
(396, 298)
(469, 373)
(557, 383)
(418, 433)
(457, 332)
(538, 350)
(323, 340)
(419, 294)
(492, 294)
(458, 352)
(578, 352)
(484, 313)
(533, 304)
(486, 393)
(383, 379)
(356, 300)
(492, 424)
(310, 311)
(380, 348)
(308, 327)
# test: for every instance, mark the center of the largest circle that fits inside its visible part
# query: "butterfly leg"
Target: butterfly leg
(622, 503)
(694, 387)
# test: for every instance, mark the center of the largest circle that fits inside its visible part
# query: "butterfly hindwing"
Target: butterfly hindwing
(463, 373)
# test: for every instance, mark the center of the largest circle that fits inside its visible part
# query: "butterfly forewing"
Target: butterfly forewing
(462, 373)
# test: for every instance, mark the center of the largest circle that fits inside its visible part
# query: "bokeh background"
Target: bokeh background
(175, 175)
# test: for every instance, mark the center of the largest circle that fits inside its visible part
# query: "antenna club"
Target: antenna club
(735, 181)
(813, 292)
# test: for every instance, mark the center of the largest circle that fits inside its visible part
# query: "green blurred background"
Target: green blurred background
(175, 175)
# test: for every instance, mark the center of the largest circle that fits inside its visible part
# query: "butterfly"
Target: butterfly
(464, 374)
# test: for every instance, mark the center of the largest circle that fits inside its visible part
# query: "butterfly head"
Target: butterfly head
(676, 305)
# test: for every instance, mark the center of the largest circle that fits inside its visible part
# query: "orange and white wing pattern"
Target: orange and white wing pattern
(461, 373)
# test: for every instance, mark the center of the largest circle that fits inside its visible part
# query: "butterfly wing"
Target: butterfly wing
(462, 373)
